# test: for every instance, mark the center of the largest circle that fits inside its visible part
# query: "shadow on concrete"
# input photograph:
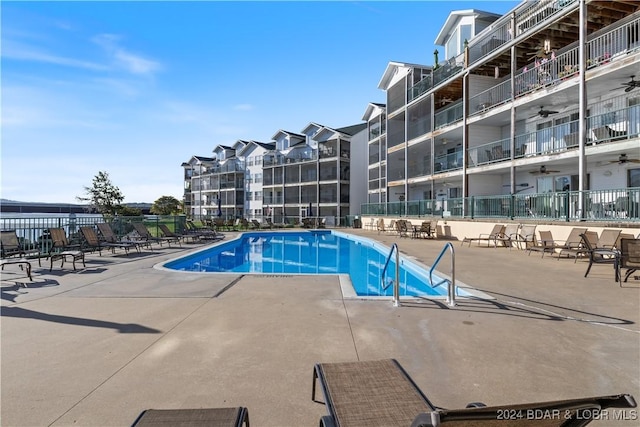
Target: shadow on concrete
(541, 310)
(9, 293)
(123, 328)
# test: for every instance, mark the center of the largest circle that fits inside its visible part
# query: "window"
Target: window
(452, 44)
(634, 178)
(258, 195)
(465, 34)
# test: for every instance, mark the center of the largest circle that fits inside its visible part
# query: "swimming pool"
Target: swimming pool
(313, 252)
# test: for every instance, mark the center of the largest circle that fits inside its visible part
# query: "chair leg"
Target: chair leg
(589, 267)
(313, 386)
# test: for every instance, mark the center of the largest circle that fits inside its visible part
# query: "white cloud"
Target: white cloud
(243, 107)
(122, 58)
(23, 52)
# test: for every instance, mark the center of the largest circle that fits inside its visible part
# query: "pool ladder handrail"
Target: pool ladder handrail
(451, 284)
(396, 282)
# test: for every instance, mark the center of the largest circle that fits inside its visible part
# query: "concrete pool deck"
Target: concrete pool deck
(97, 346)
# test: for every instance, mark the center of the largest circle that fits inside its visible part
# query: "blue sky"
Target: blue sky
(136, 88)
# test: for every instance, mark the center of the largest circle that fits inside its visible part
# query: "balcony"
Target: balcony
(272, 200)
(601, 49)
(447, 162)
(449, 115)
(616, 125)
(419, 88)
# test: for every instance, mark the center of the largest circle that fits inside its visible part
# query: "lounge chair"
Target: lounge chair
(484, 237)
(424, 231)
(391, 227)
(608, 238)
(402, 227)
(600, 256)
(581, 248)
(11, 246)
(168, 233)
(213, 417)
(629, 258)
(369, 225)
(545, 244)
(434, 228)
(381, 393)
(14, 253)
(146, 236)
(92, 241)
(259, 226)
(362, 393)
(572, 243)
(380, 225)
(191, 226)
(559, 413)
(526, 236)
(110, 237)
(508, 236)
(218, 224)
(61, 249)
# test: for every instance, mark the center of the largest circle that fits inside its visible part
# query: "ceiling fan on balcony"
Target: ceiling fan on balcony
(541, 51)
(542, 171)
(445, 100)
(624, 159)
(631, 85)
(544, 113)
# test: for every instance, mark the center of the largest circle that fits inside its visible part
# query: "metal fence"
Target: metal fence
(33, 231)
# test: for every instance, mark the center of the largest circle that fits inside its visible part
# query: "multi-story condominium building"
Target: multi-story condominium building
(252, 153)
(310, 174)
(376, 119)
(299, 175)
(215, 185)
(540, 103)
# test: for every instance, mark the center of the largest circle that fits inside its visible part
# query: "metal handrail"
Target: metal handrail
(396, 283)
(451, 289)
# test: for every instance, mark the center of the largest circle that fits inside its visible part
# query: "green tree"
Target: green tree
(102, 196)
(166, 205)
(124, 210)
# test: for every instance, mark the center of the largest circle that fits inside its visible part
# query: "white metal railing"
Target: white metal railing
(451, 284)
(396, 282)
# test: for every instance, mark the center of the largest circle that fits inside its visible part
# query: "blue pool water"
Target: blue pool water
(312, 252)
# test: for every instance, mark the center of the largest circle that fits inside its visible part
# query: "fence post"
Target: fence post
(512, 206)
(567, 208)
(472, 207)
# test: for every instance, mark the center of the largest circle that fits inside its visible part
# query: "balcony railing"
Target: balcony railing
(601, 49)
(419, 88)
(272, 200)
(490, 98)
(615, 125)
(447, 162)
(449, 115)
(620, 40)
(619, 205)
